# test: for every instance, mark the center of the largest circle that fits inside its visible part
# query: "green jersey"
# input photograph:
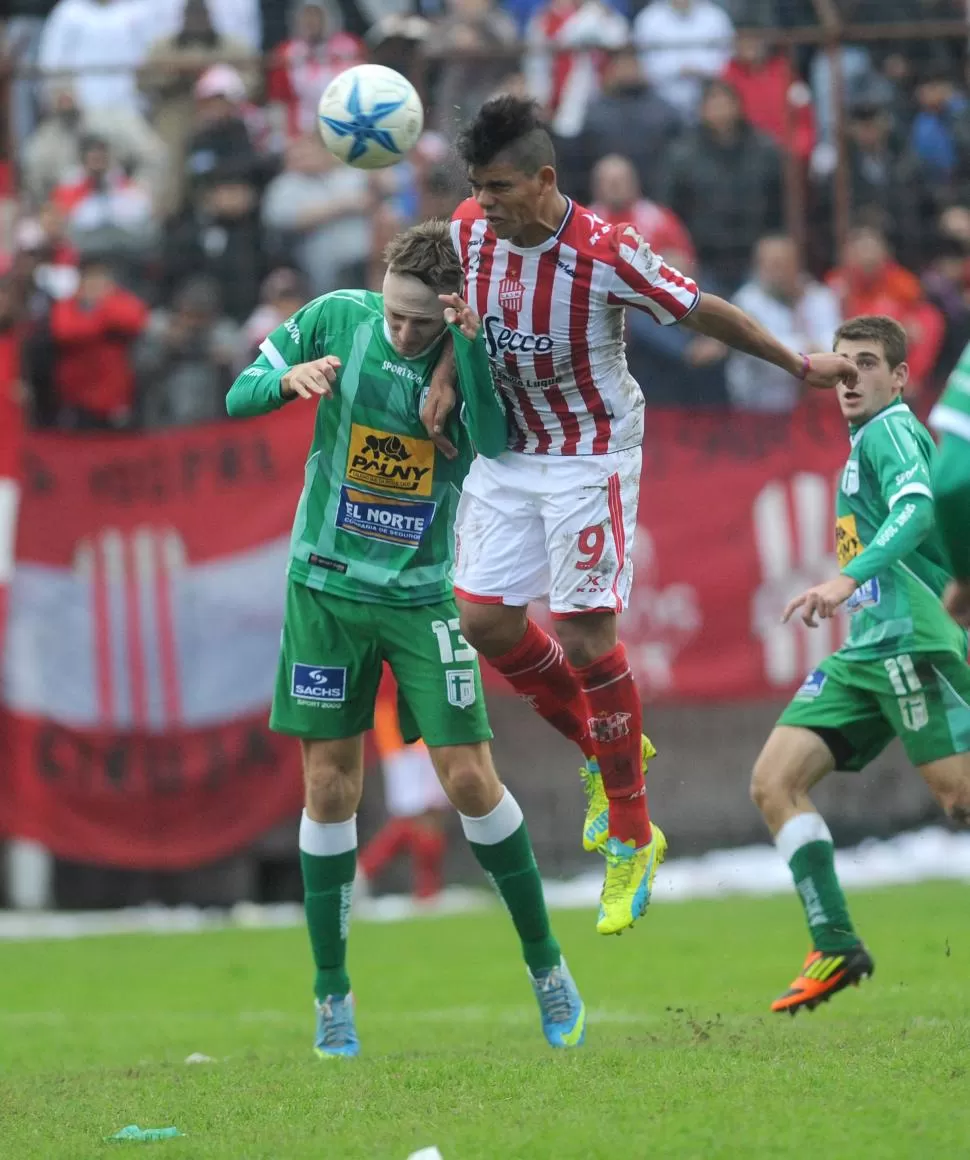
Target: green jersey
(375, 521)
(952, 413)
(884, 504)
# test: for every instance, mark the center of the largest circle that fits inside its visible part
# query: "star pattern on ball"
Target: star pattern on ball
(365, 127)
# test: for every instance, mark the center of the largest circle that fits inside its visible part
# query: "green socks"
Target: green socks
(328, 858)
(500, 842)
(806, 845)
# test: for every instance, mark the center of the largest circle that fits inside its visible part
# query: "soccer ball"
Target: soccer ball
(370, 116)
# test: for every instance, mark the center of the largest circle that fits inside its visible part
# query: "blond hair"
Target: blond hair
(425, 252)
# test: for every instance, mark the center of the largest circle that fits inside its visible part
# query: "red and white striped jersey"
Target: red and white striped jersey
(553, 321)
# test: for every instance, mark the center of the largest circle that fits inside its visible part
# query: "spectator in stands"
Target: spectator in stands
(887, 183)
(282, 293)
(869, 281)
(617, 198)
(237, 19)
(218, 234)
(947, 286)
(44, 240)
(682, 44)
(773, 98)
(92, 334)
(474, 46)
(934, 134)
(305, 64)
(220, 141)
(168, 78)
(725, 181)
(54, 148)
(565, 59)
(186, 359)
(319, 209)
(104, 209)
(628, 117)
(795, 309)
(101, 43)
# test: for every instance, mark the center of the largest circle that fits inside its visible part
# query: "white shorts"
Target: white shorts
(531, 527)
(411, 786)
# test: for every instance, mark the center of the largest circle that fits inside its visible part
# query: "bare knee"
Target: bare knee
(949, 779)
(333, 778)
(492, 629)
(468, 777)
(586, 638)
(791, 762)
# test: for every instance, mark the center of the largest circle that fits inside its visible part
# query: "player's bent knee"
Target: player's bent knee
(468, 778)
(332, 777)
(588, 637)
(492, 629)
(791, 761)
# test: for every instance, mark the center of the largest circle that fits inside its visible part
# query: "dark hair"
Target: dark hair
(425, 252)
(510, 126)
(199, 293)
(875, 328)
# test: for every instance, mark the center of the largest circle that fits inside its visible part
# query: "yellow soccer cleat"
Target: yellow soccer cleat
(629, 881)
(596, 827)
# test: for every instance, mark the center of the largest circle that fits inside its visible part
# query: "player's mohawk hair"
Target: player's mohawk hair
(510, 126)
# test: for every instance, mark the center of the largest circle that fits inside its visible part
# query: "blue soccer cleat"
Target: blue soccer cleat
(336, 1030)
(561, 1009)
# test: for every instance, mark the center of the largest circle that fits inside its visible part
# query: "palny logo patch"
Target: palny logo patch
(390, 462)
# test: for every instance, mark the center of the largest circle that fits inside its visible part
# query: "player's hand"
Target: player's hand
(956, 600)
(822, 600)
(459, 313)
(828, 370)
(311, 379)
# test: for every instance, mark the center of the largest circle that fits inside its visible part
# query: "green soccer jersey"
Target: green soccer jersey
(886, 481)
(375, 521)
(952, 413)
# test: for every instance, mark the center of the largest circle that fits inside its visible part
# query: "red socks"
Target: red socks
(385, 846)
(539, 672)
(615, 724)
(427, 847)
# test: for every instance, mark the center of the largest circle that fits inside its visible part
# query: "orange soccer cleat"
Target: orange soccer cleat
(823, 974)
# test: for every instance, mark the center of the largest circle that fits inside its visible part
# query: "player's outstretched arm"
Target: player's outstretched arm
(261, 387)
(716, 318)
(441, 399)
(483, 411)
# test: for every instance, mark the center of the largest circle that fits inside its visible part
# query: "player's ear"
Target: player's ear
(901, 376)
(546, 176)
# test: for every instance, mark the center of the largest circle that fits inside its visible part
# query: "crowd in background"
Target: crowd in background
(165, 199)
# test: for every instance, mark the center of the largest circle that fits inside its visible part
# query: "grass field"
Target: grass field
(682, 1058)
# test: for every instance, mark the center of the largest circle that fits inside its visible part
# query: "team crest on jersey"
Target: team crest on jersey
(847, 542)
(390, 462)
(511, 294)
(850, 477)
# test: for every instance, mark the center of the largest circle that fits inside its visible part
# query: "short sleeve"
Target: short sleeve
(299, 339)
(900, 461)
(642, 279)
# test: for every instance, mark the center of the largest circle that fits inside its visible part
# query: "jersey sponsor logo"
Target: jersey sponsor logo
(597, 227)
(460, 687)
(847, 542)
(812, 686)
(318, 684)
(390, 462)
(900, 522)
(906, 476)
(293, 330)
(405, 372)
(500, 339)
(389, 519)
(850, 477)
(511, 294)
(865, 596)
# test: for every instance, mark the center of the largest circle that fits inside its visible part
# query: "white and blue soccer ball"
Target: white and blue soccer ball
(370, 116)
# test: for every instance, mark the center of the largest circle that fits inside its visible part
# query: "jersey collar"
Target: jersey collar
(412, 357)
(552, 240)
(855, 433)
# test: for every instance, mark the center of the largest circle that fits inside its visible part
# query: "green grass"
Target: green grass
(681, 1060)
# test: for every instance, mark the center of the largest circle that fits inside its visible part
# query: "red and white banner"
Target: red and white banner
(147, 597)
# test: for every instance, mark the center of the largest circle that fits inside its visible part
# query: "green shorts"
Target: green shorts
(858, 707)
(332, 658)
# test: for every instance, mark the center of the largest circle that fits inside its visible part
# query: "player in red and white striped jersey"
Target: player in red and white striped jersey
(555, 516)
